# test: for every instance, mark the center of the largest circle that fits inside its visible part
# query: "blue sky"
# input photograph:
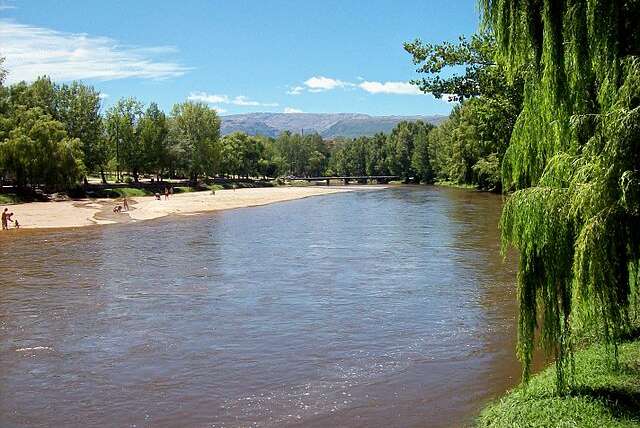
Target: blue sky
(239, 56)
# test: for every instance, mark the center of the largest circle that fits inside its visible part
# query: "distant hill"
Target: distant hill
(328, 125)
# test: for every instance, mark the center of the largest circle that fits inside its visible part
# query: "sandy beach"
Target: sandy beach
(88, 212)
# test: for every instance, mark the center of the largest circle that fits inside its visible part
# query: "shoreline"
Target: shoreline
(92, 212)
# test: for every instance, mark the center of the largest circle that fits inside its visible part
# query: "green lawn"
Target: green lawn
(454, 184)
(603, 396)
(9, 198)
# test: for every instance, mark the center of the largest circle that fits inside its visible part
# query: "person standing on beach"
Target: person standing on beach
(166, 193)
(125, 203)
(5, 218)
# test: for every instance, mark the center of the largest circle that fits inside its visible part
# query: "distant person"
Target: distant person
(5, 218)
(157, 195)
(171, 191)
(117, 209)
(16, 224)
(125, 203)
(234, 186)
(213, 191)
(166, 193)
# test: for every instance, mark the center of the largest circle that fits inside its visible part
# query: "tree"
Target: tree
(197, 130)
(483, 76)
(400, 147)
(78, 108)
(420, 160)
(121, 124)
(234, 148)
(375, 155)
(39, 152)
(153, 131)
(573, 158)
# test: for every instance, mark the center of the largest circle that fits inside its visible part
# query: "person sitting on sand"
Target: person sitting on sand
(157, 195)
(125, 203)
(117, 209)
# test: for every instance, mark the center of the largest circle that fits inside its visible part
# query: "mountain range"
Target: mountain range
(328, 125)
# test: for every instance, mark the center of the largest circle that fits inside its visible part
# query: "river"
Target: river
(389, 308)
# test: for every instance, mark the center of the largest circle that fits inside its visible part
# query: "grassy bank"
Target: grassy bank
(454, 184)
(604, 396)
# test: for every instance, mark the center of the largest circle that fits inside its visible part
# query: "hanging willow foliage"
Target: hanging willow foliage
(574, 163)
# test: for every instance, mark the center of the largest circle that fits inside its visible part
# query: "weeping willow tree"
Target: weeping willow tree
(574, 164)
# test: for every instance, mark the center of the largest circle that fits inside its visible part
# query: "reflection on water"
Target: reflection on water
(390, 308)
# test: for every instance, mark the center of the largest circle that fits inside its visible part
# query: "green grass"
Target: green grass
(445, 183)
(16, 198)
(603, 396)
(183, 189)
(9, 198)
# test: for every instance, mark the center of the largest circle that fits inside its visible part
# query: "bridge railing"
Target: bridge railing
(380, 179)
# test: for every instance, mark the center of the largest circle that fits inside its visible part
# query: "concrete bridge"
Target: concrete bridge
(362, 179)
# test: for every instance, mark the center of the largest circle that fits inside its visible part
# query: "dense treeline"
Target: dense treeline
(404, 152)
(54, 136)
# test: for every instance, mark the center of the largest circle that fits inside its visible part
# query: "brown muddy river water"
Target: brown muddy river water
(390, 308)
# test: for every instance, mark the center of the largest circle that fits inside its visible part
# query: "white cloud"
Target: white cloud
(290, 110)
(208, 98)
(239, 100)
(103, 96)
(296, 90)
(33, 51)
(397, 88)
(321, 84)
(244, 101)
(220, 110)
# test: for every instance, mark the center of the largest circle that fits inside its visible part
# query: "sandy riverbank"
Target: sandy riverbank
(87, 212)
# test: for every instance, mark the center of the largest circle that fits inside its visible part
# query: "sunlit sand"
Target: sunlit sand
(89, 212)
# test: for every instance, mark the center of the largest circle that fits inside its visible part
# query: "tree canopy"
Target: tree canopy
(574, 161)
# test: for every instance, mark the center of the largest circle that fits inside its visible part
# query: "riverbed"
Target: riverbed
(360, 309)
